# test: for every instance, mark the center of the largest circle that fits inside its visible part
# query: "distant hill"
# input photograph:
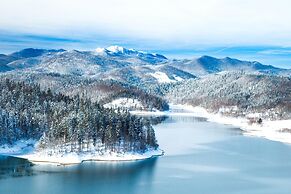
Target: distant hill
(244, 93)
(207, 65)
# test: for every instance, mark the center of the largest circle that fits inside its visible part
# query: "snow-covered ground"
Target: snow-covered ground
(74, 158)
(27, 150)
(178, 78)
(128, 103)
(162, 77)
(273, 130)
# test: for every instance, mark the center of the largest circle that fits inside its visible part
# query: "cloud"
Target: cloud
(278, 51)
(179, 23)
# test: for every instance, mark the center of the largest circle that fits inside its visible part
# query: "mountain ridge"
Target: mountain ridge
(120, 63)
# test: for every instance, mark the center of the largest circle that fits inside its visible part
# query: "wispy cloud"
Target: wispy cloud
(11, 41)
(182, 23)
(172, 27)
(278, 51)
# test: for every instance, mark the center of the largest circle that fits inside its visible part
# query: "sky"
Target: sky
(248, 29)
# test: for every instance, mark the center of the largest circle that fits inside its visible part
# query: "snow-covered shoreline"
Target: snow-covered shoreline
(272, 130)
(26, 149)
(74, 158)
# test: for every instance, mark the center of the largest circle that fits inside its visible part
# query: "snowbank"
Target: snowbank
(74, 158)
(279, 130)
(26, 149)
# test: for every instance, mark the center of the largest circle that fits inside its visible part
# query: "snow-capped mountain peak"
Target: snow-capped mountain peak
(119, 51)
(116, 49)
(100, 50)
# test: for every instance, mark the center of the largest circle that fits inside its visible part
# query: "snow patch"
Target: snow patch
(162, 77)
(129, 103)
(100, 51)
(178, 78)
(115, 49)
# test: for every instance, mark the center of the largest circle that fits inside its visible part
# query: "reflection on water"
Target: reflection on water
(87, 177)
(14, 167)
(187, 119)
(125, 176)
(154, 120)
(127, 170)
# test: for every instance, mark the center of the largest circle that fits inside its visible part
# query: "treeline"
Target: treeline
(73, 124)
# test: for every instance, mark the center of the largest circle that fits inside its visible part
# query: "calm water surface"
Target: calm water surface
(201, 157)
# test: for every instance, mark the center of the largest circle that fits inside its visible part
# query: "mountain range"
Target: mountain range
(105, 74)
(126, 65)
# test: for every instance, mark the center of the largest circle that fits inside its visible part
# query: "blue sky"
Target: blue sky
(246, 29)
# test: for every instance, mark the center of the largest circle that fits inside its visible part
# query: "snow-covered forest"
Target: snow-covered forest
(101, 91)
(235, 94)
(27, 112)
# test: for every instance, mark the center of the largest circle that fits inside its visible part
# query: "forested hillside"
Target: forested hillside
(27, 112)
(236, 93)
(101, 91)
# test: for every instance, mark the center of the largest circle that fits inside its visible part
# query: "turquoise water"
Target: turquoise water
(201, 157)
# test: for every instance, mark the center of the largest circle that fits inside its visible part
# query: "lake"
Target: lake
(200, 157)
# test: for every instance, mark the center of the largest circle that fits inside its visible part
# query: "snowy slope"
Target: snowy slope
(111, 60)
(250, 93)
(206, 65)
(162, 77)
(118, 51)
(128, 103)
